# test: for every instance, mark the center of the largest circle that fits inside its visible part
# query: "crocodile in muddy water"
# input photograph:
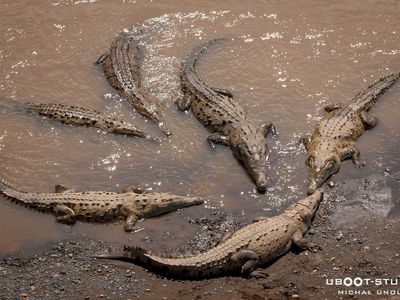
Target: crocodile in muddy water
(254, 245)
(121, 67)
(101, 207)
(217, 110)
(334, 138)
(75, 115)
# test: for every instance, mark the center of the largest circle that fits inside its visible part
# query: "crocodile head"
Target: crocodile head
(320, 168)
(307, 207)
(249, 146)
(155, 204)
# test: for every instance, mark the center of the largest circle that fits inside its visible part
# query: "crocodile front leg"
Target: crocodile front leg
(352, 152)
(269, 127)
(333, 106)
(305, 140)
(368, 120)
(299, 241)
(216, 138)
(249, 259)
(130, 222)
(259, 219)
(185, 102)
(64, 214)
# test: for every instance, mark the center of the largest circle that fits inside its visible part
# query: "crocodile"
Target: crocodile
(75, 115)
(68, 206)
(121, 67)
(218, 111)
(241, 252)
(334, 138)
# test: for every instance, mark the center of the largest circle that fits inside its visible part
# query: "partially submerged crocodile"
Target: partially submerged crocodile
(75, 115)
(218, 111)
(243, 251)
(121, 67)
(334, 138)
(93, 206)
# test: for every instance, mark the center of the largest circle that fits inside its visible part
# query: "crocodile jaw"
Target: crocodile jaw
(316, 179)
(260, 178)
(168, 203)
(320, 171)
(250, 148)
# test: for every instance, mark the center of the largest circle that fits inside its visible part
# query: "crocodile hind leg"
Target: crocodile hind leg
(223, 92)
(64, 214)
(259, 273)
(249, 259)
(368, 120)
(59, 188)
(101, 59)
(216, 138)
(130, 222)
(133, 189)
(226, 236)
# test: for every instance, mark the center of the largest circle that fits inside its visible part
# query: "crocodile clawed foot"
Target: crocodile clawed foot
(259, 274)
(359, 165)
(68, 220)
(129, 227)
(314, 247)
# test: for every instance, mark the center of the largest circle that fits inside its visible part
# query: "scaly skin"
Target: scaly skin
(75, 115)
(334, 138)
(218, 111)
(246, 249)
(69, 206)
(121, 67)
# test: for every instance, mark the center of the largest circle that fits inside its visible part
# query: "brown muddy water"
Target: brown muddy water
(287, 60)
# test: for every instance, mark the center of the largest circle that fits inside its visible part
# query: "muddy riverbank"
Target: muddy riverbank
(352, 242)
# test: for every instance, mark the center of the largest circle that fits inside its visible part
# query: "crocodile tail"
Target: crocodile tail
(194, 55)
(30, 200)
(13, 104)
(5, 185)
(367, 98)
(130, 254)
(135, 253)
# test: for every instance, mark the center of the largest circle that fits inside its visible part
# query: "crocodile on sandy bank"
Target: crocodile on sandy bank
(75, 115)
(254, 245)
(121, 67)
(217, 110)
(334, 138)
(93, 206)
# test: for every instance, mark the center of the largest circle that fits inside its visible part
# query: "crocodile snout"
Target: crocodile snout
(261, 182)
